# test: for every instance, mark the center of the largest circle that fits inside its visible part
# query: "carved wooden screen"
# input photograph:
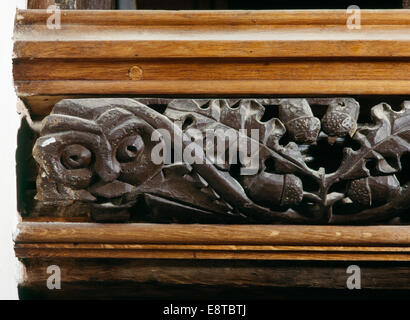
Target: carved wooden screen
(237, 135)
(217, 160)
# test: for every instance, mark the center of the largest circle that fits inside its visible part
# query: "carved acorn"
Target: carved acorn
(373, 190)
(299, 120)
(271, 189)
(341, 117)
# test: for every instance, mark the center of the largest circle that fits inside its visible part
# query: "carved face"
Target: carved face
(93, 151)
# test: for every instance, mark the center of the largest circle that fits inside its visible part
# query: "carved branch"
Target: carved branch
(102, 152)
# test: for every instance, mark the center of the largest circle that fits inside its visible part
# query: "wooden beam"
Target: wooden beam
(132, 278)
(135, 233)
(213, 88)
(211, 53)
(233, 242)
(302, 18)
(293, 253)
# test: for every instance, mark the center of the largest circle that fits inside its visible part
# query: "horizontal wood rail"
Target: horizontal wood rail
(209, 53)
(218, 17)
(253, 242)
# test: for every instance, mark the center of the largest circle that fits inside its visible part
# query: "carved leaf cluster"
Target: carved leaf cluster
(388, 137)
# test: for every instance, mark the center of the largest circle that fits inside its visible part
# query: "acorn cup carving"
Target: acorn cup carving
(272, 189)
(341, 117)
(298, 118)
(373, 190)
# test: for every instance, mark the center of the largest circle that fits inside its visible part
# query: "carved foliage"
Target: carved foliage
(100, 151)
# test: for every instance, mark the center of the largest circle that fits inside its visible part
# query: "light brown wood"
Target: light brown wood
(140, 233)
(227, 47)
(220, 17)
(226, 242)
(217, 252)
(208, 254)
(210, 53)
(212, 69)
(116, 246)
(213, 87)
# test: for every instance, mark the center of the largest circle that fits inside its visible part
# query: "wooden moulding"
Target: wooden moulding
(215, 242)
(204, 53)
(202, 279)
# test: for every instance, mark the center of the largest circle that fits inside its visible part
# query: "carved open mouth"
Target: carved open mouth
(113, 195)
(113, 203)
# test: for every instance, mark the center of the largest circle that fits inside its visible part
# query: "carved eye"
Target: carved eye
(130, 148)
(76, 156)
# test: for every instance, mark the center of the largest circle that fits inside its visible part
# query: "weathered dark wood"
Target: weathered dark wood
(206, 188)
(262, 52)
(207, 279)
(73, 4)
(406, 4)
(92, 290)
(95, 4)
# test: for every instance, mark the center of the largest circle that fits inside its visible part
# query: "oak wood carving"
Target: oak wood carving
(101, 152)
(321, 160)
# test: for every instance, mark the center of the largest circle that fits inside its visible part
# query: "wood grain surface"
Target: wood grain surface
(207, 53)
(259, 242)
(56, 232)
(210, 53)
(210, 279)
